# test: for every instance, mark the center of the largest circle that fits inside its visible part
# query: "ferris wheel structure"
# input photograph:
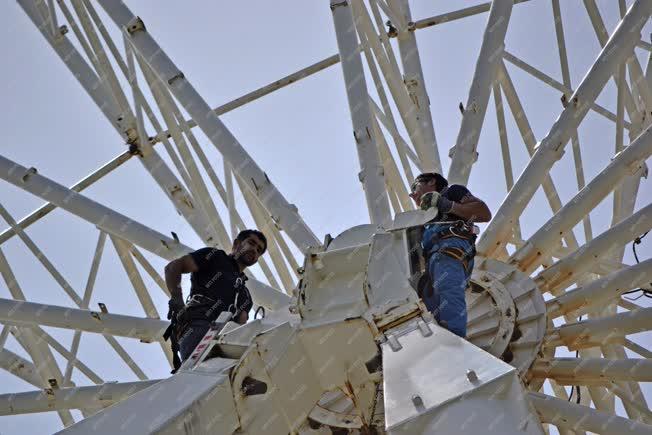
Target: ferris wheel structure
(346, 346)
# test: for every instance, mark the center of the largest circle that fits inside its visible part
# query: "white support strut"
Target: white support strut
(416, 86)
(626, 162)
(106, 219)
(577, 417)
(464, 152)
(30, 313)
(281, 211)
(551, 148)
(117, 224)
(372, 174)
(95, 396)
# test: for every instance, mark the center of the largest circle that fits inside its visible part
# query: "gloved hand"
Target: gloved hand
(429, 200)
(176, 305)
(434, 199)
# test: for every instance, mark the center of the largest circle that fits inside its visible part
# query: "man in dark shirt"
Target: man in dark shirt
(449, 245)
(217, 285)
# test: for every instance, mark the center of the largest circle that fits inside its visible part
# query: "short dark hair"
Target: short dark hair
(242, 235)
(440, 181)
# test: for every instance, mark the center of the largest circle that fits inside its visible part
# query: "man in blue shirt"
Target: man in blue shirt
(449, 246)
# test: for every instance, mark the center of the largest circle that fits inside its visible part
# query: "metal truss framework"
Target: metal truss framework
(109, 57)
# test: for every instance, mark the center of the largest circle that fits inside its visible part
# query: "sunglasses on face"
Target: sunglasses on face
(415, 185)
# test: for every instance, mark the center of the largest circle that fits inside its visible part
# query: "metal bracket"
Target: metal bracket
(342, 3)
(393, 342)
(177, 76)
(135, 25)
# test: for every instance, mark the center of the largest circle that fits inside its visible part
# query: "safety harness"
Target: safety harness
(199, 307)
(458, 229)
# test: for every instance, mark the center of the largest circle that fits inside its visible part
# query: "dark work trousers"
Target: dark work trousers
(192, 336)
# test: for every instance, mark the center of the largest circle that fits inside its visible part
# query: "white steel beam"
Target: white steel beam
(78, 66)
(117, 224)
(401, 146)
(574, 371)
(540, 75)
(104, 67)
(332, 60)
(29, 313)
(172, 116)
(456, 15)
(96, 396)
(42, 258)
(46, 365)
(19, 367)
(392, 75)
(124, 123)
(46, 338)
(575, 142)
(571, 268)
(283, 212)
(415, 83)
(635, 112)
(601, 331)
(151, 271)
(77, 187)
(122, 249)
(87, 209)
(464, 153)
(371, 174)
(88, 291)
(551, 148)
(523, 125)
(629, 161)
(577, 417)
(600, 292)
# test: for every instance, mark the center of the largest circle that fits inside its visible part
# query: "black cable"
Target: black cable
(576, 387)
(644, 292)
(637, 241)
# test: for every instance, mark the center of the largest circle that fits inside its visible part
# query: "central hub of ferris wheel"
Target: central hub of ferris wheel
(357, 350)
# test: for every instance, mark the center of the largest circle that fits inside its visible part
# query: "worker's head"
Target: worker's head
(426, 182)
(248, 246)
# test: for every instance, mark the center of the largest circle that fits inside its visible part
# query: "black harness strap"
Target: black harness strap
(171, 334)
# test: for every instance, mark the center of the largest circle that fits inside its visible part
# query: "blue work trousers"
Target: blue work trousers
(449, 279)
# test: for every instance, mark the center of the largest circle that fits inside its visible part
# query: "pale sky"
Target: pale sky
(300, 135)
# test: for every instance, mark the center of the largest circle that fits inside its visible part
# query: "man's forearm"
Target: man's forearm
(472, 211)
(173, 282)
